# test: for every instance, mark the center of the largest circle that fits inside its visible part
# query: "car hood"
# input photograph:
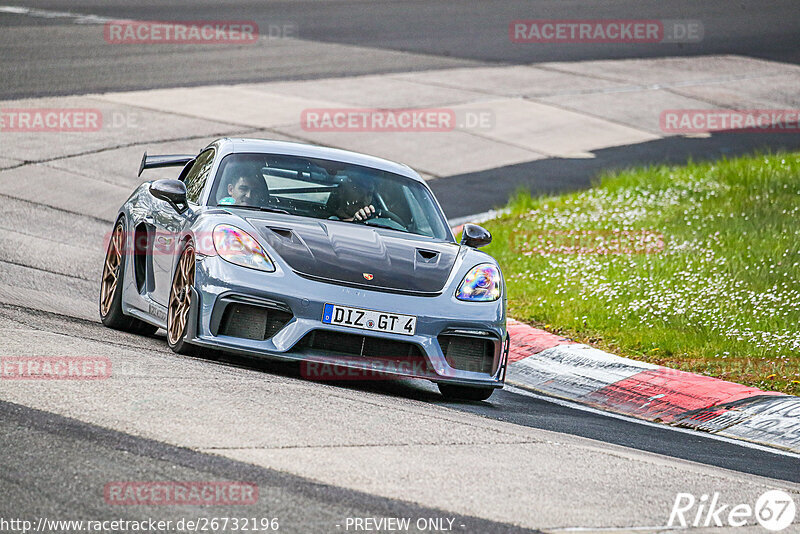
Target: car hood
(355, 254)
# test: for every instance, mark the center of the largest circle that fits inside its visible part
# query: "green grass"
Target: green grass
(718, 295)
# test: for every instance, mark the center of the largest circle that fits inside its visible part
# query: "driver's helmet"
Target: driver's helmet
(354, 192)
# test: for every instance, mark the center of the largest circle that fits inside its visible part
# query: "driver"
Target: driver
(353, 201)
(246, 187)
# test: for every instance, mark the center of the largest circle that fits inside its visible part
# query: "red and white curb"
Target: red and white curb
(546, 363)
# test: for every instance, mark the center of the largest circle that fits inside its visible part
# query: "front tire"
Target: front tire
(111, 288)
(467, 393)
(180, 305)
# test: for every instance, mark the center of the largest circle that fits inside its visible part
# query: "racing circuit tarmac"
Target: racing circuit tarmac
(377, 448)
(51, 55)
(320, 453)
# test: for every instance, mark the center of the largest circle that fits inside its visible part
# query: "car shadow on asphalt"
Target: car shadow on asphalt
(407, 388)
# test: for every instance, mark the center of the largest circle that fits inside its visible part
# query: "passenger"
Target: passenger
(246, 187)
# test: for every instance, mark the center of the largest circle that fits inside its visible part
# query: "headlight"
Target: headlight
(239, 247)
(481, 284)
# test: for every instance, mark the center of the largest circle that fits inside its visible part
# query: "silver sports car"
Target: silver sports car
(297, 252)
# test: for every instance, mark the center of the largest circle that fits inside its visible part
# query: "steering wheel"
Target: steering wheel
(386, 214)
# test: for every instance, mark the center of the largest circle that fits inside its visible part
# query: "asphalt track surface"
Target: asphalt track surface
(53, 465)
(55, 56)
(48, 52)
(90, 456)
(510, 405)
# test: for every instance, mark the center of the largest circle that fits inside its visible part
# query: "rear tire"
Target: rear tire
(452, 392)
(111, 288)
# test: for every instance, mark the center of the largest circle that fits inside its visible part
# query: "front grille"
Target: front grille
(468, 353)
(252, 322)
(358, 345)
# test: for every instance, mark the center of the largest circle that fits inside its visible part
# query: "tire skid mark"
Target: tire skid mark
(57, 208)
(44, 270)
(26, 163)
(55, 316)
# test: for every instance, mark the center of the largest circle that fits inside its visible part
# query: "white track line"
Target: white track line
(77, 18)
(80, 18)
(477, 218)
(696, 433)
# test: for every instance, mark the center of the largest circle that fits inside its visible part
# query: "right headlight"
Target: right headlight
(481, 284)
(238, 247)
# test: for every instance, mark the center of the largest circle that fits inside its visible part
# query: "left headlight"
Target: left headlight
(238, 247)
(481, 284)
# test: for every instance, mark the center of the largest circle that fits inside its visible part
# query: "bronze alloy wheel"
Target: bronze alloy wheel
(111, 270)
(180, 296)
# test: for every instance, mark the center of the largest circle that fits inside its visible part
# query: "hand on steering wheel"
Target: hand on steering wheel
(367, 212)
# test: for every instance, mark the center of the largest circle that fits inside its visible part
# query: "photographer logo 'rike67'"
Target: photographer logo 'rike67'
(774, 510)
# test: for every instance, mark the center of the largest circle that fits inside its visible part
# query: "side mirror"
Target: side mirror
(475, 236)
(172, 191)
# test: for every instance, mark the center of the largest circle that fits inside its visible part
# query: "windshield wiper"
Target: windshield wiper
(257, 208)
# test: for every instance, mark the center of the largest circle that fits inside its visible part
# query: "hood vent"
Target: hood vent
(282, 232)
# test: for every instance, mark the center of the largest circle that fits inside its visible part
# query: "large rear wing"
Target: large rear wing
(157, 162)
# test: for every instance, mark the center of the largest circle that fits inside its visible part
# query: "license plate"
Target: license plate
(369, 319)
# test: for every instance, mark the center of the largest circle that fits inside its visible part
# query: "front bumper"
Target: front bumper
(219, 284)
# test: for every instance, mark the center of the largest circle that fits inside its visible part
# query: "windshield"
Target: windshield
(326, 189)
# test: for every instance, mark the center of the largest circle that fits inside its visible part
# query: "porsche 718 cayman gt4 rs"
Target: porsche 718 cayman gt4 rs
(299, 252)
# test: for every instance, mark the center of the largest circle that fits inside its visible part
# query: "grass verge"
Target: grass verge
(694, 267)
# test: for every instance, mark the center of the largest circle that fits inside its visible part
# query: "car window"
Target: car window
(196, 177)
(324, 189)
